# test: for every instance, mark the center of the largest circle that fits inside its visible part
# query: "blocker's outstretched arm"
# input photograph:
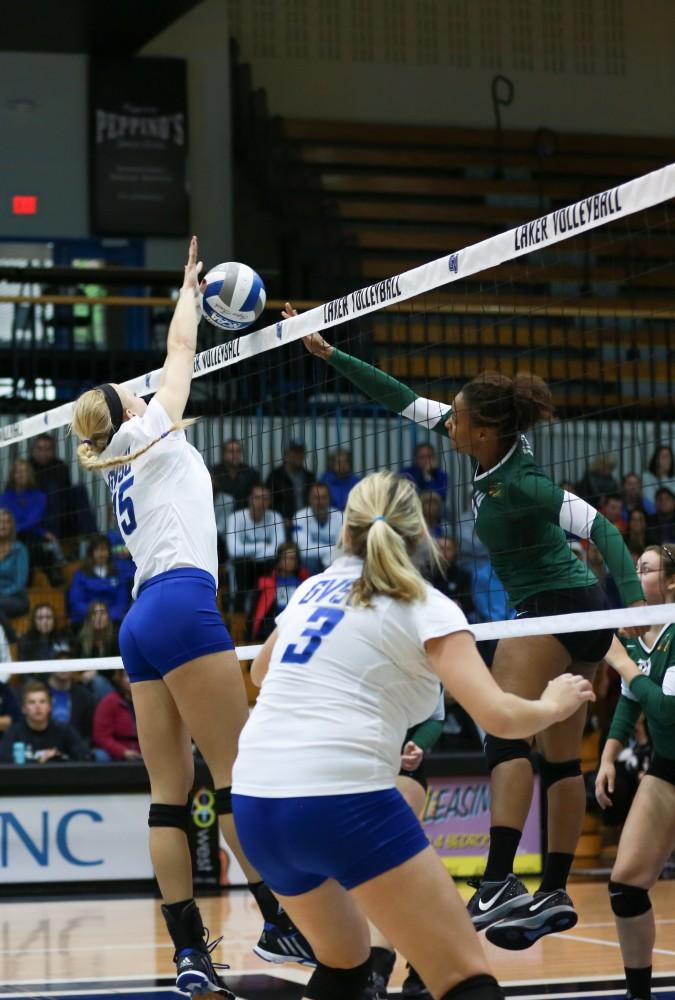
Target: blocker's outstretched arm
(181, 342)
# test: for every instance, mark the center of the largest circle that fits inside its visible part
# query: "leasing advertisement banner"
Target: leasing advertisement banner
(138, 143)
(456, 820)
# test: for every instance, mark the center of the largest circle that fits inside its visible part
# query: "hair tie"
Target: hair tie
(380, 517)
(87, 441)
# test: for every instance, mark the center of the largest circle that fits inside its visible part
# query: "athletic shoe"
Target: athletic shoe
(545, 913)
(376, 988)
(196, 974)
(413, 988)
(279, 946)
(492, 901)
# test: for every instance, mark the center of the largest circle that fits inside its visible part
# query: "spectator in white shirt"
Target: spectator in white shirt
(316, 529)
(253, 537)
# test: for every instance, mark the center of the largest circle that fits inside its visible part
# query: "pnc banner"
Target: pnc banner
(88, 838)
(456, 820)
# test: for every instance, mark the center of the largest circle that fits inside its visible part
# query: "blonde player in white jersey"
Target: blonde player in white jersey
(185, 678)
(355, 661)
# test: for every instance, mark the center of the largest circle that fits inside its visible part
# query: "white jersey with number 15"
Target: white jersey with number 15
(163, 500)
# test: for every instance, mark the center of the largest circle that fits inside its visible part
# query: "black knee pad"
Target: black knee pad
(338, 984)
(628, 900)
(165, 815)
(223, 799)
(498, 751)
(552, 771)
(475, 988)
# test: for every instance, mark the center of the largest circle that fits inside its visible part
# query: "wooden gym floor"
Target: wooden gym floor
(89, 947)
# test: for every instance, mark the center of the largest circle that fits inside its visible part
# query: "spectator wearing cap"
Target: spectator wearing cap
(425, 471)
(659, 472)
(661, 527)
(232, 476)
(339, 477)
(316, 529)
(289, 482)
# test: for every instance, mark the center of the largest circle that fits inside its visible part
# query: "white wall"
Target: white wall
(578, 65)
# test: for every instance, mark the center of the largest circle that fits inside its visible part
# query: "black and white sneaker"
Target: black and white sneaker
(546, 913)
(492, 901)
(413, 988)
(196, 974)
(280, 946)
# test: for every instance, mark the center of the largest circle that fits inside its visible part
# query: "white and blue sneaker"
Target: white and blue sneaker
(196, 974)
(492, 901)
(547, 912)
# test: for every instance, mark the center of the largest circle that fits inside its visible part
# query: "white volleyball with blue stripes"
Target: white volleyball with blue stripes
(234, 296)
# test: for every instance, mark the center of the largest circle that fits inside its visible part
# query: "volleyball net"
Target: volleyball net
(583, 295)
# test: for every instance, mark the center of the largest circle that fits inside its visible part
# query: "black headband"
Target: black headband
(114, 405)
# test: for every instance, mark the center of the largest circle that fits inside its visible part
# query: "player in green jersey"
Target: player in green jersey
(522, 518)
(647, 669)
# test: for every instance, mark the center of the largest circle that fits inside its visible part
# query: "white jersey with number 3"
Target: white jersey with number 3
(163, 500)
(344, 685)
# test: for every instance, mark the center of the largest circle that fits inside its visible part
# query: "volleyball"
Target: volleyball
(234, 296)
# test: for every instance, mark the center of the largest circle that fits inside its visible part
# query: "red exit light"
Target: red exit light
(24, 204)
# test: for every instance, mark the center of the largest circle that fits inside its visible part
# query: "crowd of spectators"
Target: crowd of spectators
(273, 533)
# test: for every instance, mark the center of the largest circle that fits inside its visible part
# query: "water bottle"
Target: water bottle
(19, 752)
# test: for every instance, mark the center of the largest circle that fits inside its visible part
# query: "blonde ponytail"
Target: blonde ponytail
(384, 525)
(93, 425)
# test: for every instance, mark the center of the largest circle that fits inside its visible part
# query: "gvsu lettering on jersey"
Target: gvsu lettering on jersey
(333, 591)
(116, 475)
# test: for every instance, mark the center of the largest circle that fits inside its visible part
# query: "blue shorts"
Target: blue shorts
(298, 843)
(173, 620)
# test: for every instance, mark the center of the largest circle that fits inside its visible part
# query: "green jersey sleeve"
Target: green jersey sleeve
(427, 734)
(390, 393)
(658, 706)
(577, 517)
(624, 720)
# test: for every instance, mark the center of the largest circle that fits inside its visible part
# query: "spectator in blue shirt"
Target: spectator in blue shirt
(339, 477)
(99, 579)
(28, 505)
(425, 472)
(13, 568)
